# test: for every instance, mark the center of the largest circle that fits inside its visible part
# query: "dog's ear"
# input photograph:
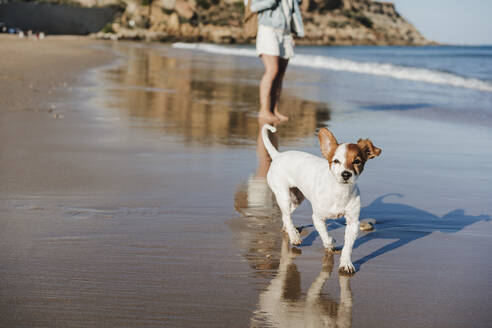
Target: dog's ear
(328, 143)
(368, 148)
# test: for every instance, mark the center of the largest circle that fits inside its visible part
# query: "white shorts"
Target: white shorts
(270, 41)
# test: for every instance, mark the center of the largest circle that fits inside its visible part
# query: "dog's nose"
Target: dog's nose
(346, 175)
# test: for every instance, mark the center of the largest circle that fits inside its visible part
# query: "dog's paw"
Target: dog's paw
(346, 268)
(296, 241)
(367, 225)
(329, 245)
(295, 238)
(337, 250)
(330, 248)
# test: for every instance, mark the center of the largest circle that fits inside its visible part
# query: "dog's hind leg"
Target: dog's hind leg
(284, 202)
(296, 198)
(320, 225)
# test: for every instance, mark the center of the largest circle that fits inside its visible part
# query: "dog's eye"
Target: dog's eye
(336, 161)
(356, 162)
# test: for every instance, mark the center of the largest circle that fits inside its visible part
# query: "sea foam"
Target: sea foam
(338, 64)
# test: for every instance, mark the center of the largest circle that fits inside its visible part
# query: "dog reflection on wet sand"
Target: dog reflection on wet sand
(283, 304)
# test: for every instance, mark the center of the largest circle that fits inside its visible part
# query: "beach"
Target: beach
(133, 193)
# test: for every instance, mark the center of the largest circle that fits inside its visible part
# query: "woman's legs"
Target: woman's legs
(267, 87)
(277, 88)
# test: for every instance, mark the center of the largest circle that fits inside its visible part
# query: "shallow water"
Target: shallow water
(178, 228)
(197, 99)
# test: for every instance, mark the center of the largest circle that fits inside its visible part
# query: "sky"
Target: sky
(450, 21)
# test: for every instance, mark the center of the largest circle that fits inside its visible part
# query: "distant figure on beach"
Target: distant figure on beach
(277, 20)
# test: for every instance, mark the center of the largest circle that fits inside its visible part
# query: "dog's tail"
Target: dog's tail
(272, 151)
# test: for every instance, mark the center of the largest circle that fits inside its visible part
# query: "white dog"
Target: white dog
(328, 183)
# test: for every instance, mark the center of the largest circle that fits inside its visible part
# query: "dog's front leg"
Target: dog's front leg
(320, 225)
(352, 217)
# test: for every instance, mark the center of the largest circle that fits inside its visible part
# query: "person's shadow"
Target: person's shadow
(406, 223)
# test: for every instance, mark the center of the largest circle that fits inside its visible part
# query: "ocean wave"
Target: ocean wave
(338, 64)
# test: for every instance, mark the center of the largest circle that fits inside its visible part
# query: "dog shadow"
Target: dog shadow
(398, 221)
(406, 224)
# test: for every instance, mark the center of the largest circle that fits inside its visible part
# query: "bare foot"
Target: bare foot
(269, 117)
(281, 117)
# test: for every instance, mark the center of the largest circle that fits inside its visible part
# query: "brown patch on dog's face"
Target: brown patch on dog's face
(368, 148)
(328, 143)
(355, 159)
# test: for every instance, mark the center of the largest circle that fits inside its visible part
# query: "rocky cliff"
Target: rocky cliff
(330, 22)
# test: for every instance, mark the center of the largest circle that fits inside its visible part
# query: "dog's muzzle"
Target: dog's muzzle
(346, 175)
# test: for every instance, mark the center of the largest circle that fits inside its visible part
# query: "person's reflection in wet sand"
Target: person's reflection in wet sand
(264, 159)
(283, 304)
(258, 194)
(259, 227)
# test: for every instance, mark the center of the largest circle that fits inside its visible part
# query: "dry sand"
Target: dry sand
(143, 202)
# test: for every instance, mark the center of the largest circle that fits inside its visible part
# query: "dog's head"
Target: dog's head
(346, 160)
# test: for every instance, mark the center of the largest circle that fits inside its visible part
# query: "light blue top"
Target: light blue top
(270, 13)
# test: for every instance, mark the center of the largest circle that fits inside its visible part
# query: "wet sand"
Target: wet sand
(143, 203)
